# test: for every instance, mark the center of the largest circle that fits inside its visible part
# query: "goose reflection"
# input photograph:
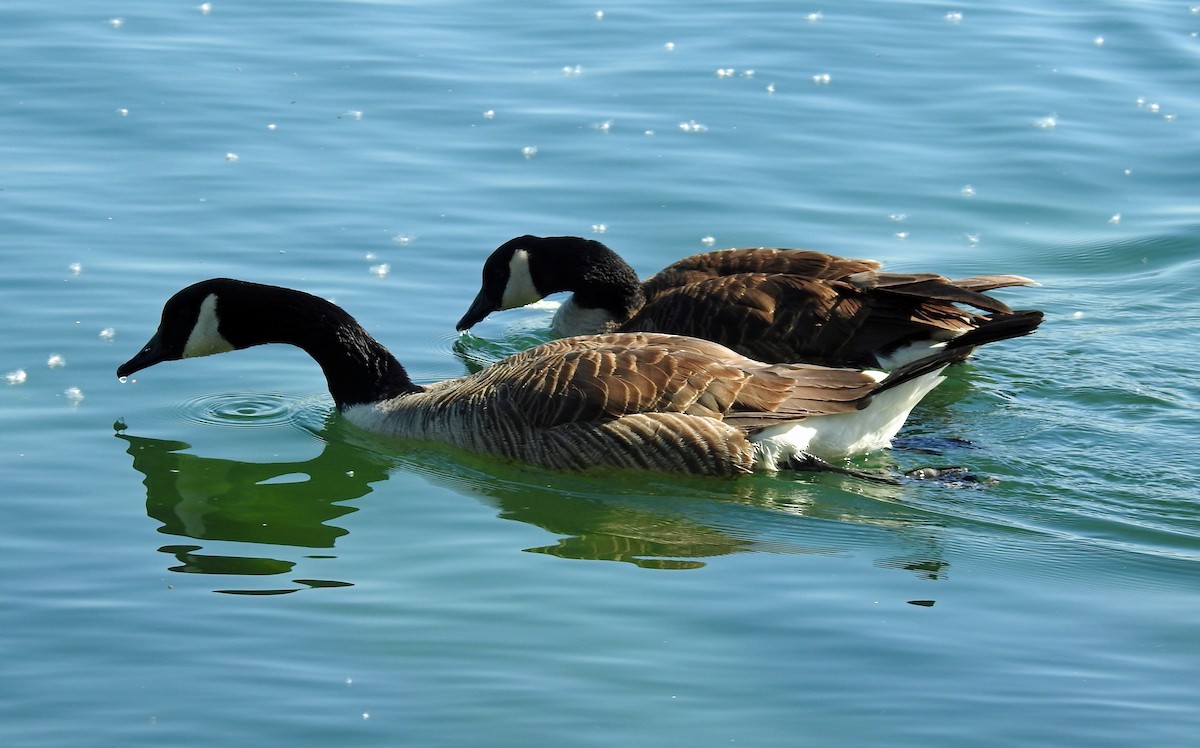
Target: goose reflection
(290, 504)
(654, 522)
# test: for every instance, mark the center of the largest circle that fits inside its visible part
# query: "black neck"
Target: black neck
(596, 275)
(358, 369)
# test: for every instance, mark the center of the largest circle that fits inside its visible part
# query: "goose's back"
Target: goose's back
(787, 317)
(641, 400)
(723, 262)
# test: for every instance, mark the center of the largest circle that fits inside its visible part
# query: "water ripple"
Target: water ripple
(241, 409)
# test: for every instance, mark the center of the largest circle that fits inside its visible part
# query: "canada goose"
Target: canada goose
(638, 400)
(776, 305)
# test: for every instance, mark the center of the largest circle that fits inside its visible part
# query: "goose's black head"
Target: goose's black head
(528, 268)
(222, 314)
(190, 326)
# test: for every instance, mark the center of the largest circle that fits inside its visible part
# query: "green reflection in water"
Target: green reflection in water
(656, 522)
(278, 503)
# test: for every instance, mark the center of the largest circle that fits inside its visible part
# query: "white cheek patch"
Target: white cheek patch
(206, 338)
(520, 289)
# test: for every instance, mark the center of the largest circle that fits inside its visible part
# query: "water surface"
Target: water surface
(209, 553)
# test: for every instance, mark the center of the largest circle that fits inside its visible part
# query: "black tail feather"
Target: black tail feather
(1000, 327)
(922, 366)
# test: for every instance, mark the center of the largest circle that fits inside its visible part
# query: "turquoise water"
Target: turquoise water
(209, 554)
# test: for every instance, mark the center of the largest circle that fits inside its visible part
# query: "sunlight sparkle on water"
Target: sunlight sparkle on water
(821, 79)
(16, 376)
(108, 333)
(968, 191)
(75, 267)
(206, 8)
(381, 270)
(693, 126)
(954, 16)
(529, 151)
(1047, 123)
(813, 17)
(56, 361)
(708, 241)
(74, 395)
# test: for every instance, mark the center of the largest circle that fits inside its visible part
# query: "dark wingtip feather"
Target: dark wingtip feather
(923, 366)
(1000, 327)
